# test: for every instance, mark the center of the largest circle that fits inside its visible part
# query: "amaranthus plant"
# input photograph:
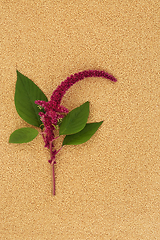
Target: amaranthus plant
(33, 106)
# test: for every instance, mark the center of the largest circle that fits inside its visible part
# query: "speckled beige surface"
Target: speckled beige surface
(107, 188)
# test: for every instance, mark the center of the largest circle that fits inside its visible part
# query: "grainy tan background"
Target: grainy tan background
(107, 188)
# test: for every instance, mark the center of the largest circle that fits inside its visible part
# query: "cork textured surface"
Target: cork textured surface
(107, 188)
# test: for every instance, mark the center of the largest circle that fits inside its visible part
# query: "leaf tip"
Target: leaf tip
(17, 72)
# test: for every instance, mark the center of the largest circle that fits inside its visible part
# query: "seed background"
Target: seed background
(107, 188)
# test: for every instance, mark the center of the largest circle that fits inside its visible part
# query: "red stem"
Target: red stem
(55, 138)
(53, 179)
(53, 174)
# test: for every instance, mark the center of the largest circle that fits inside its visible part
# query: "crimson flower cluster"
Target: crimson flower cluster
(54, 111)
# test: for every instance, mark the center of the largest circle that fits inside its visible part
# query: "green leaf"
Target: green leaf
(75, 120)
(82, 136)
(23, 135)
(26, 93)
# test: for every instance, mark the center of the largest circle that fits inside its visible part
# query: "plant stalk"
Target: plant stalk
(53, 174)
